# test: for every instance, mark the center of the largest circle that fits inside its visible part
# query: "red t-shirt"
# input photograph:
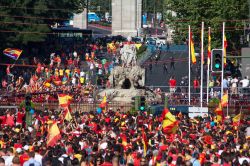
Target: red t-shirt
(24, 157)
(196, 83)
(106, 164)
(3, 119)
(19, 118)
(172, 83)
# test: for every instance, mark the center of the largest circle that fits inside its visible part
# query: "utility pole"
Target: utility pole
(87, 11)
(155, 18)
(248, 23)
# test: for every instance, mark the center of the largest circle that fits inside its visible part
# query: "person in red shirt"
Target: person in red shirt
(24, 157)
(172, 84)
(10, 119)
(19, 119)
(196, 85)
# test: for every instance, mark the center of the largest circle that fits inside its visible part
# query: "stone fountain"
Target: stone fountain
(128, 80)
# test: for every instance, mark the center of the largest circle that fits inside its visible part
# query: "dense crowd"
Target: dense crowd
(64, 71)
(115, 138)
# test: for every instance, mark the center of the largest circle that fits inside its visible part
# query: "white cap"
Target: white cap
(26, 147)
(18, 150)
(30, 129)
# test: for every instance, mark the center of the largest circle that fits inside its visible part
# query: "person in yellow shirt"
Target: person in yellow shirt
(56, 72)
(61, 71)
(67, 71)
(82, 80)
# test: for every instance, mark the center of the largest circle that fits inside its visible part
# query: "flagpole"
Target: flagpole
(208, 62)
(189, 66)
(222, 65)
(202, 59)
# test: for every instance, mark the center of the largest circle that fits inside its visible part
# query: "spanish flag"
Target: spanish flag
(53, 134)
(47, 84)
(104, 102)
(219, 113)
(193, 57)
(236, 119)
(64, 100)
(225, 49)
(224, 100)
(169, 124)
(67, 114)
(124, 139)
(144, 142)
(209, 47)
(12, 53)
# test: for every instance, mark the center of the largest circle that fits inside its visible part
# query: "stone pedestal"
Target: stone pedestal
(126, 17)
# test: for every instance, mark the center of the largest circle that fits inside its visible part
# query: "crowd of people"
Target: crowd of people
(65, 71)
(115, 138)
(109, 137)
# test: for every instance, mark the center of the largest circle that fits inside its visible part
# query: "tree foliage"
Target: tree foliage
(24, 21)
(100, 6)
(213, 13)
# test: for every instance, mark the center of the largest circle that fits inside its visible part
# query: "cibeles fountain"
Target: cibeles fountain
(128, 80)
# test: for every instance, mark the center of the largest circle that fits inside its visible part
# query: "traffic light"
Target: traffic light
(217, 60)
(139, 103)
(142, 103)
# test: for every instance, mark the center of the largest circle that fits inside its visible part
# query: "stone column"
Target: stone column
(126, 17)
(80, 20)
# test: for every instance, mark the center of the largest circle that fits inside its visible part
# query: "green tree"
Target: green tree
(213, 13)
(24, 21)
(100, 6)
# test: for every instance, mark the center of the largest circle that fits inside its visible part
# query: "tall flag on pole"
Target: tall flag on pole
(12, 53)
(193, 58)
(209, 47)
(225, 49)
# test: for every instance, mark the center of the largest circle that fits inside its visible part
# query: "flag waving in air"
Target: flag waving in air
(144, 142)
(169, 124)
(12, 53)
(53, 134)
(67, 114)
(64, 100)
(225, 49)
(209, 47)
(193, 57)
(224, 100)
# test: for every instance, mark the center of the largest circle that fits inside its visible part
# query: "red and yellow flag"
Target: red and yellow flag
(219, 113)
(104, 103)
(145, 142)
(225, 49)
(224, 100)
(169, 124)
(12, 53)
(67, 114)
(236, 119)
(193, 57)
(124, 139)
(53, 134)
(64, 100)
(209, 47)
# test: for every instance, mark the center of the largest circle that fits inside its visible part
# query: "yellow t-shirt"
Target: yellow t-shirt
(67, 71)
(81, 80)
(61, 72)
